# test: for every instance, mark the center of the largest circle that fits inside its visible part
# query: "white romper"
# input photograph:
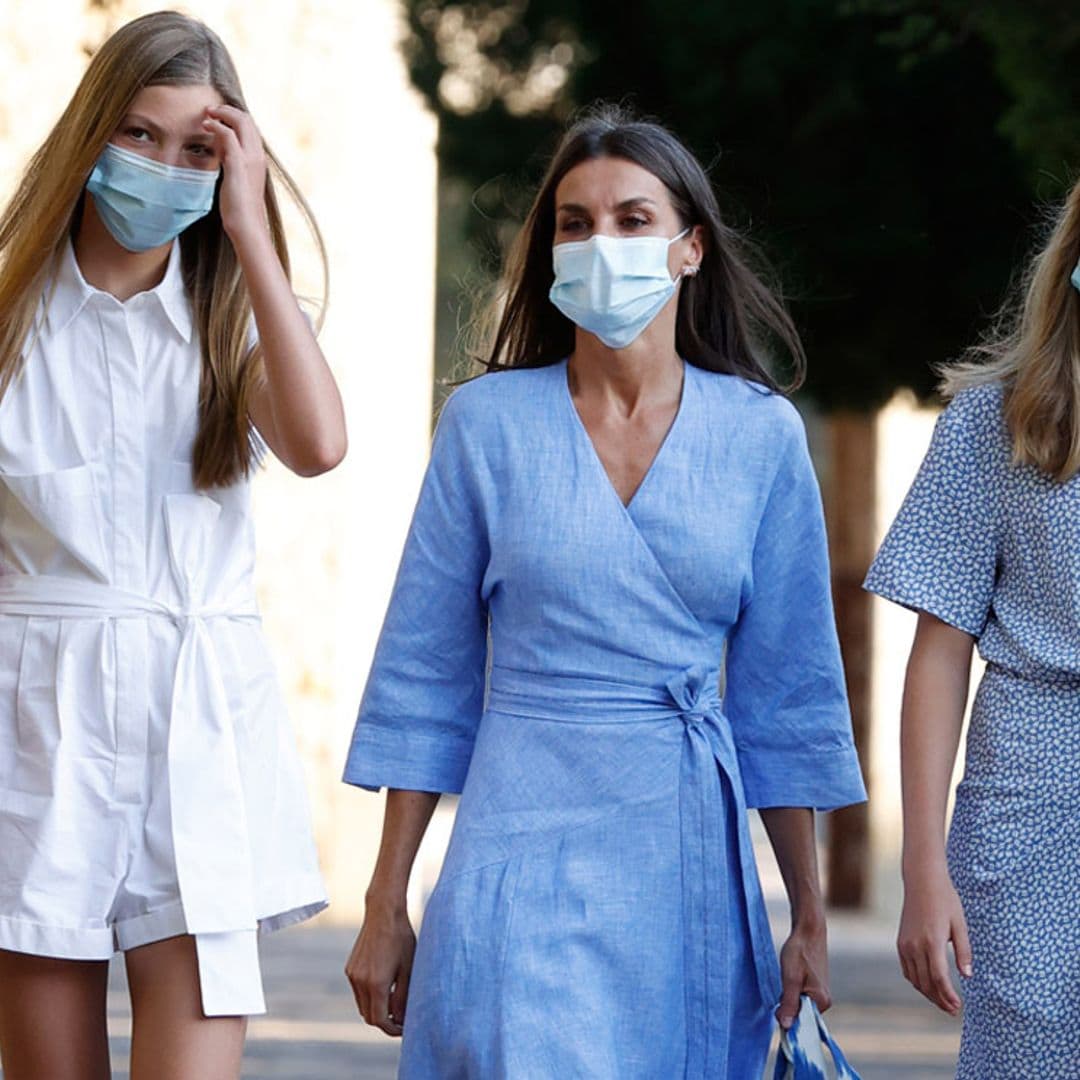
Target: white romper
(149, 780)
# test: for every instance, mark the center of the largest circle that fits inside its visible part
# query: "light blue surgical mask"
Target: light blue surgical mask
(1075, 279)
(613, 286)
(144, 203)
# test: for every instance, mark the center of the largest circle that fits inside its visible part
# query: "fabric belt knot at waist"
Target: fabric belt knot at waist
(206, 798)
(696, 694)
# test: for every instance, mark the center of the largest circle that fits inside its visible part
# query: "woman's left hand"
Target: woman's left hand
(243, 160)
(804, 969)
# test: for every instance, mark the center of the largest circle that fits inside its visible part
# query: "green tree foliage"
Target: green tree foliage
(870, 148)
(1035, 49)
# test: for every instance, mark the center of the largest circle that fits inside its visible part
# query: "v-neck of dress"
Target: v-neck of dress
(595, 454)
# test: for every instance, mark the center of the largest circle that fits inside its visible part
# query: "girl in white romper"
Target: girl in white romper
(151, 348)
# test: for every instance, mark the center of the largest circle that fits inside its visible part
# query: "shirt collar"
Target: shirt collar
(70, 292)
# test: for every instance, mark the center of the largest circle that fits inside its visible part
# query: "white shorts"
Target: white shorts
(87, 860)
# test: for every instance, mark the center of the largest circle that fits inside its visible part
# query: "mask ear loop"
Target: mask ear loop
(690, 269)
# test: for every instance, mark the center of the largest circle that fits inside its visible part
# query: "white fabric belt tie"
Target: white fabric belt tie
(209, 816)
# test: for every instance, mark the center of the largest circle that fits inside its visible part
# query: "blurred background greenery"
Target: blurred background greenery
(887, 155)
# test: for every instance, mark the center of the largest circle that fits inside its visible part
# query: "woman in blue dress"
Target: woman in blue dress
(623, 500)
(985, 549)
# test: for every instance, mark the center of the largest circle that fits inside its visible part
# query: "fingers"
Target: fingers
(961, 946)
(804, 966)
(906, 967)
(923, 981)
(234, 128)
(378, 971)
(228, 142)
(382, 1016)
(238, 121)
(925, 965)
(399, 994)
(939, 987)
(359, 991)
(789, 1003)
(819, 995)
(373, 1001)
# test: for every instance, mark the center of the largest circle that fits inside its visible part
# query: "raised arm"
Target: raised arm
(935, 694)
(381, 960)
(296, 407)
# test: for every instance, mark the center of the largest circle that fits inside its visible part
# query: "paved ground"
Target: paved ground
(312, 1032)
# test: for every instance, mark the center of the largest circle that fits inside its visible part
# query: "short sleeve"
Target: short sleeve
(785, 696)
(941, 553)
(424, 695)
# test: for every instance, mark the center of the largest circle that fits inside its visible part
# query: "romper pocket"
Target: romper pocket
(65, 707)
(66, 503)
(37, 713)
(190, 524)
(12, 629)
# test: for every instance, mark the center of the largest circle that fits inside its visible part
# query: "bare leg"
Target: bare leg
(52, 1018)
(170, 1038)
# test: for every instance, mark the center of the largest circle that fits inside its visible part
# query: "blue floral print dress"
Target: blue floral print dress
(991, 548)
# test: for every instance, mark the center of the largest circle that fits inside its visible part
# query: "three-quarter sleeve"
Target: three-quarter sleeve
(424, 695)
(941, 553)
(785, 697)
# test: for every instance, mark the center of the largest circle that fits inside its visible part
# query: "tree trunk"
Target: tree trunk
(850, 506)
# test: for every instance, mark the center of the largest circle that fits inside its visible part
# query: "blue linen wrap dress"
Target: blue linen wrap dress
(555, 656)
(991, 548)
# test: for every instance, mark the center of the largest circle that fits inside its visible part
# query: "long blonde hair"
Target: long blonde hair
(161, 49)
(1033, 350)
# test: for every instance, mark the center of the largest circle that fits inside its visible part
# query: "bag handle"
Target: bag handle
(801, 1056)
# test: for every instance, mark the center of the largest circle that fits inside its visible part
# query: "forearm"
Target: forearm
(406, 820)
(791, 833)
(298, 408)
(935, 694)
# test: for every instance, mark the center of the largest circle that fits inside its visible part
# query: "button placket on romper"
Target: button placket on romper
(127, 536)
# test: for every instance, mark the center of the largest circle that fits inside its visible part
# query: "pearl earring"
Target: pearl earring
(691, 270)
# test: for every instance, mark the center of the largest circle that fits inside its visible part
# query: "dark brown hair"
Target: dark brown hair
(728, 319)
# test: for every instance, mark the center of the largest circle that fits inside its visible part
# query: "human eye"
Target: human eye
(203, 151)
(634, 222)
(136, 133)
(573, 226)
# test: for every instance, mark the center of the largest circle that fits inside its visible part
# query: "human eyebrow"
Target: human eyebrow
(138, 120)
(572, 208)
(636, 201)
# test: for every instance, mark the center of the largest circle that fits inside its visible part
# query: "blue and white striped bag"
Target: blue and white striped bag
(802, 1049)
